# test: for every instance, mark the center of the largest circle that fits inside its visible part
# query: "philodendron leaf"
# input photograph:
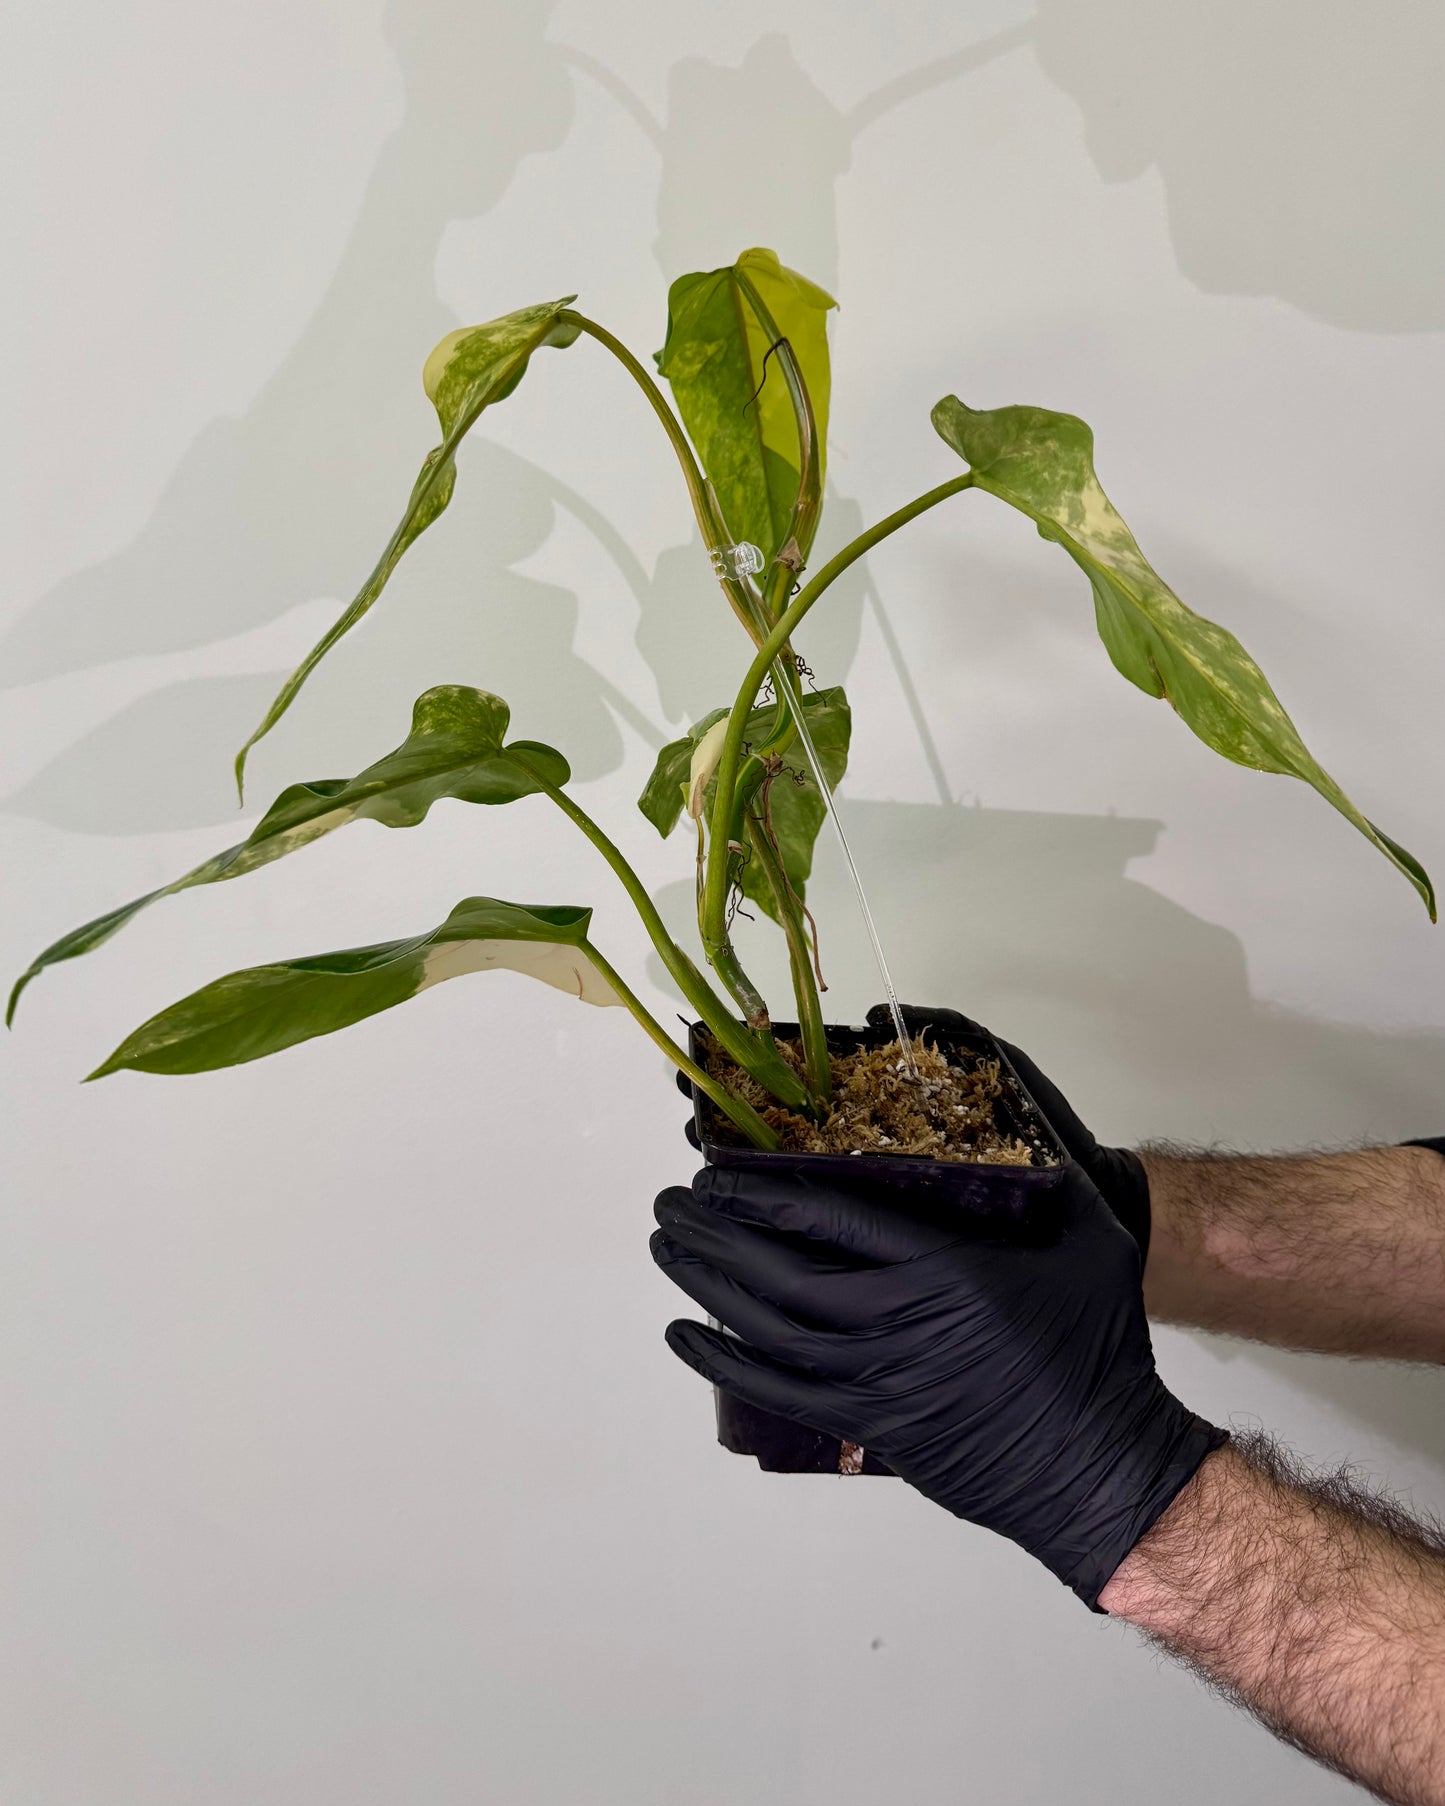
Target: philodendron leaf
(666, 790)
(713, 358)
(464, 374)
(456, 748)
(795, 805)
(706, 757)
(262, 1010)
(1042, 464)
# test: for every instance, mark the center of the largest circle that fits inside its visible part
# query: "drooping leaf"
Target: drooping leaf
(713, 357)
(468, 371)
(1042, 464)
(795, 804)
(456, 748)
(262, 1010)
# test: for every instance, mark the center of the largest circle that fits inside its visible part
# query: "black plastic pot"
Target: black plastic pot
(997, 1199)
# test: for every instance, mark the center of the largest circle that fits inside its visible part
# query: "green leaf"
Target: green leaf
(1042, 464)
(713, 358)
(665, 791)
(262, 1010)
(455, 749)
(468, 371)
(795, 803)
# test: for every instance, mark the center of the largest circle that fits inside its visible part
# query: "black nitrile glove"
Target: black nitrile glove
(1118, 1173)
(1011, 1382)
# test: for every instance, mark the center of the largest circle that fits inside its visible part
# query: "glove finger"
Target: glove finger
(810, 1283)
(689, 1129)
(756, 1319)
(684, 1083)
(917, 1018)
(752, 1377)
(869, 1224)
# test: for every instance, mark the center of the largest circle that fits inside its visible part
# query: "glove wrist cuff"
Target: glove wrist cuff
(1138, 1491)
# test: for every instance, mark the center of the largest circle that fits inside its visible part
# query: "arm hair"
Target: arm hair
(1338, 1253)
(1313, 1603)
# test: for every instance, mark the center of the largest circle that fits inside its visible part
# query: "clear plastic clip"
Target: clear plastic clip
(742, 560)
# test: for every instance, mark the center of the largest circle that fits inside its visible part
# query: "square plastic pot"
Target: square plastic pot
(995, 1199)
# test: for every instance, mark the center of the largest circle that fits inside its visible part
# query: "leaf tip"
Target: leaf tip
(1424, 884)
(113, 1062)
(18, 987)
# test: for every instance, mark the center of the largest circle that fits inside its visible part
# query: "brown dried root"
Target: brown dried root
(878, 1109)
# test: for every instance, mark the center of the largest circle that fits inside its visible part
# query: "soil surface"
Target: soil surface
(879, 1109)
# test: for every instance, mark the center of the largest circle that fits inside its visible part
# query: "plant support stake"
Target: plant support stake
(805, 734)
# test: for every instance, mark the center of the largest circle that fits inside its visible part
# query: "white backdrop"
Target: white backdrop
(344, 1460)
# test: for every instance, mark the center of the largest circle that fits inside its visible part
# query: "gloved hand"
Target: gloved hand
(1118, 1173)
(1012, 1383)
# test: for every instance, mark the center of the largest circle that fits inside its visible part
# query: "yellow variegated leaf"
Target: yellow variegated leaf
(1042, 463)
(463, 375)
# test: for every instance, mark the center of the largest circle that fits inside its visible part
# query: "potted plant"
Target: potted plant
(746, 358)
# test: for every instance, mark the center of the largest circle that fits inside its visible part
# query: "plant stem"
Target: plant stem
(737, 1109)
(713, 914)
(719, 949)
(749, 999)
(805, 988)
(747, 1049)
(750, 610)
(709, 520)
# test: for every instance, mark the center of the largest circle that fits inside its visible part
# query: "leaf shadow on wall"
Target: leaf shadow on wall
(269, 510)
(457, 611)
(1300, 156)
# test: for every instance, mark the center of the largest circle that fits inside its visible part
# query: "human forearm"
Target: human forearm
(1342, 1253)
(1320, 1609)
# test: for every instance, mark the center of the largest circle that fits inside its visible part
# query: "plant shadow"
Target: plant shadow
(1306, 165)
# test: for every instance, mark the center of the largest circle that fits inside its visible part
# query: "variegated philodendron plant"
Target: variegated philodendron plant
(746, 357)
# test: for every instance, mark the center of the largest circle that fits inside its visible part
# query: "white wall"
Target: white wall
(344, 1460)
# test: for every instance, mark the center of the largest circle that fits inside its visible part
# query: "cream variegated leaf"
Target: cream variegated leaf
(666, 792)
(1042, 463)
(706, 755)
(468, 371)
(264, 1009)
(457, 748)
